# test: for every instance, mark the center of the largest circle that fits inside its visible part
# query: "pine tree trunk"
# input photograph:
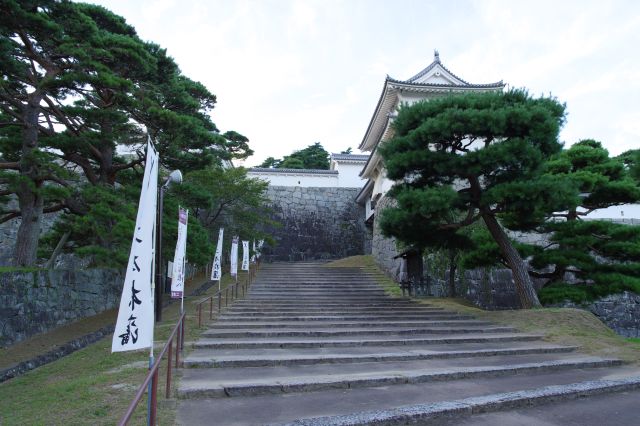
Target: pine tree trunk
(56, 251)
(31, 206)
(30, 200)
(524, 285)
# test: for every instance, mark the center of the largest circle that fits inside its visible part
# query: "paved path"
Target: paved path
(312, 345)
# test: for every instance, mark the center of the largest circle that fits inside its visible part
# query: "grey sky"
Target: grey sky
(290, 73)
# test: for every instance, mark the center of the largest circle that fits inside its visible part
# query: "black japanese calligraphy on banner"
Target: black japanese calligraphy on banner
(134, 327)
(216, 270)
(177, 277)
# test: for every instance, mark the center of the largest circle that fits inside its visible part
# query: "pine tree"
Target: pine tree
(461, 159)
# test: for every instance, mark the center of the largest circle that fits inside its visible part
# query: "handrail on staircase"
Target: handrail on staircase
(244, 286)
(178, 335)
(152, 375)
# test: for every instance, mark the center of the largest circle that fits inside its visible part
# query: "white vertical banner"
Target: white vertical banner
(234, 257)
(216, 270)
(253, 256)
(245, 255)
(177, 282)
(134, 326)
(259, 251)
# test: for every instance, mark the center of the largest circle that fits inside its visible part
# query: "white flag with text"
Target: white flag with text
(234, 256)
(134, 326)
(245, 255)
(216, 270)
(177, 282)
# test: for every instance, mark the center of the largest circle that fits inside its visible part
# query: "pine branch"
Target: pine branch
(11, 215)
(10, 165)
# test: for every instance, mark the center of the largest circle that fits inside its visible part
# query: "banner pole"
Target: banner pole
(153, 289)
(184, 284)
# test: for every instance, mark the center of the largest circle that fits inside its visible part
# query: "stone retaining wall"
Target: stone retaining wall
(317, 223)
(620, 312)
(384, 249)
(34, 302)
(488, 288)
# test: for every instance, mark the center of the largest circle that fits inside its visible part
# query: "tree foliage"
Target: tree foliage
(226, 198)
(599, 257)
(460, 159)
(215, 197)
(312, 157)
(78, 85)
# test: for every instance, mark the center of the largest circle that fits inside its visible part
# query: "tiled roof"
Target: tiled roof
(436, 62)
(350, 157)
(497, 84)
(300, 171)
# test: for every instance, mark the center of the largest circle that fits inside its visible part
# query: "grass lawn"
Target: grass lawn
(93, 386)
(564, 326)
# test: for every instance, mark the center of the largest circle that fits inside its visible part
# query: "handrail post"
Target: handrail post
(219, 302)
(178, 338)
(226, 296)
(211, 308)
(154, 398)
(169, 356)
(182, 332)
(199, 315)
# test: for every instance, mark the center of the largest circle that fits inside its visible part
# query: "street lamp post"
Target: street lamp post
(174, 177)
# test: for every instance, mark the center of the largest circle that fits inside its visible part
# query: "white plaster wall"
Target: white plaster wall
(306, 180)
(348, 176)
(626, 211)
(381, 184)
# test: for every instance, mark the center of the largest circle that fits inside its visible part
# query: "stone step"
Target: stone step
(344, 317)
(611, 406)
(219, 383)
(315, 311)
(301, 319)
(314, 290)
(364, 332)
(317, 299)
(347, 308)
(292, 285)
(359, 403)
(346, 278)
(242, 358)
(316, 278)
(322, 295)
(343, 324)
(302, 304)
(310, 287)
(312, 319)
(288, 343)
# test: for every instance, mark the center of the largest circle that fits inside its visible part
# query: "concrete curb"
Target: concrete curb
(468, 406)
(56, 353)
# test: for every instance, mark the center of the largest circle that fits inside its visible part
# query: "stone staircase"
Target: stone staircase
(312, 345)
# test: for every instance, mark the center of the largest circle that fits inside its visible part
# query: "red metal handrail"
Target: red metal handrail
(234, 295)
(178, 334)
(178, 331)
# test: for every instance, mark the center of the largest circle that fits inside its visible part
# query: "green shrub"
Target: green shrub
(605, 284)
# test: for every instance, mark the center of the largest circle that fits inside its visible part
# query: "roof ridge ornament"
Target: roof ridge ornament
(436, 56)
